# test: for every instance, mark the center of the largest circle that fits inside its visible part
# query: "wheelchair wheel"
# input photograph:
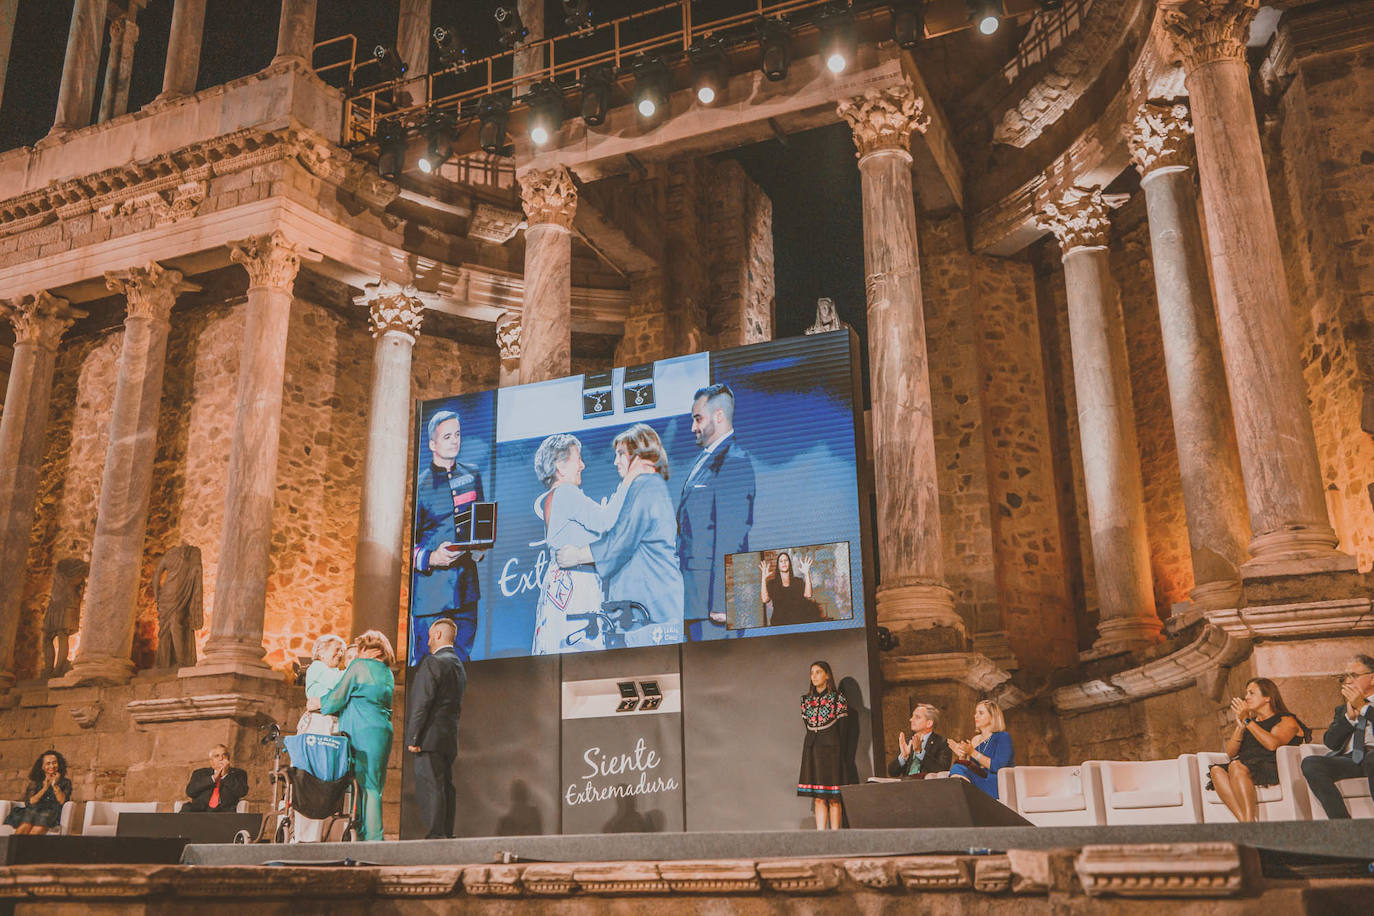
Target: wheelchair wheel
(243, 838)
(283, 832)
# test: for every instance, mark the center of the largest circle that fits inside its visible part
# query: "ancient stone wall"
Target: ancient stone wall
(739, 223)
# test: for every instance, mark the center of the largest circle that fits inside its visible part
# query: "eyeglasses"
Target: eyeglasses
(1350, 676)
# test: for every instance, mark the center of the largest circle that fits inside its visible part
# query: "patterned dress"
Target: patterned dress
(822, 763)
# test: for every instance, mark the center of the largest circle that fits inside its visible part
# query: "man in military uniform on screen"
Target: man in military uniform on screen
(714, 513)
(445, 575)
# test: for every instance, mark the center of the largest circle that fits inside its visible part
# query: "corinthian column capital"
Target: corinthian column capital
(508, 336)
(1160, 136)
(1080, 218)
(1207, 31)
(549, 196)
(883, 119)
(271, 260)
(149, 291)
(394, 308)
(40, 320)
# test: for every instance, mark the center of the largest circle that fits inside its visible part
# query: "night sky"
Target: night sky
(813, 180)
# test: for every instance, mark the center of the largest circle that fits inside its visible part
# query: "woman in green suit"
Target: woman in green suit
(362, 701)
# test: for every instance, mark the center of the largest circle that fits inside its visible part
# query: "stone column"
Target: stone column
(412, 44)
(550, 199)
(395, 316)
(245, 547)
(1106, 421)
(531, 58)
(39, 323)
(1209, 462)
(121, 522)
(1278, 451)
(8, 10)
(119, 67)
(296, 32)
(76, 95)
(183, 50)
(912, 593)
(508, 340)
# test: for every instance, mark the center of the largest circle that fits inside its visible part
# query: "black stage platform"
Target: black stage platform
(1348, 839)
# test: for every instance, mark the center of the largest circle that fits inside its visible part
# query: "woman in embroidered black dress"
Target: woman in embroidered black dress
(48, 790)
(1263, 725)
(825, 713)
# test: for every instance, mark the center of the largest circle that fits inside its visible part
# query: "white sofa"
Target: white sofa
(1354, 791)
(1151, 791)
(1054, 796)
(1285, 801)
(102, 818)
(64, 825)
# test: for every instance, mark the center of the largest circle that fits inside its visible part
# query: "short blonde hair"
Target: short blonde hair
(999, 721)
(323, 643)
(376, 639)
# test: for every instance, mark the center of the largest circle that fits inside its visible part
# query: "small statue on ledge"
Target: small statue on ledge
(63, 617)
(180, 608)
(827, 318)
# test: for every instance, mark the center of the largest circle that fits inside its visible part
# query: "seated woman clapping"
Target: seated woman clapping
(48, 790)
(978, 759)
(1263, 725)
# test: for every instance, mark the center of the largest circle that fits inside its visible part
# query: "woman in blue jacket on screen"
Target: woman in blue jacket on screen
(978, 759)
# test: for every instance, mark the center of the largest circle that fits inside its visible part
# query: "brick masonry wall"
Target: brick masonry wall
(738, 219)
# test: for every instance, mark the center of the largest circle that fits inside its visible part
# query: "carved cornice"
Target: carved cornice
(271, 260)
(549, 197)
(1208, 31)
(149, 291)
(1160, 136)
(508, 336)
(490, 223)
(1162, 870)
(1307, 618)
(194, 708)
(1080, 218)
(394, 308)
(40, 320)
(883, 119)
(168, 206)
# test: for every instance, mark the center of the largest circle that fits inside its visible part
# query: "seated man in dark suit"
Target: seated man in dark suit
(926, 752)
(433, 702)
(218, 787)
(1350, 738)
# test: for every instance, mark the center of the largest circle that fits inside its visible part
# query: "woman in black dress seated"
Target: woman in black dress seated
(1263, 725)
(825, 712)
(791, 598)
(48, 790)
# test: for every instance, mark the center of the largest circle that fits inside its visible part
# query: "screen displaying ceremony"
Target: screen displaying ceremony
(615, 509)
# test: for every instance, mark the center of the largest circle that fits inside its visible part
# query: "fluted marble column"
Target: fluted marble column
(183, 50)
(395, 316)
(912, 593)
(119, 67)
(121, 522)
(8, 10)
(1278, 451)
(76, 94)
(250, 487)
(550, 200)
(1106, 420)
(508, 341)
(1209, 462)
(296, 31)
(412, 44)
(39, 323)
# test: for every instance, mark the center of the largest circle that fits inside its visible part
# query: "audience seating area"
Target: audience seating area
(101, 818)
(1099, 792)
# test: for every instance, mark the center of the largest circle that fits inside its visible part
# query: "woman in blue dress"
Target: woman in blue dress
(978, 759)
(362, 701)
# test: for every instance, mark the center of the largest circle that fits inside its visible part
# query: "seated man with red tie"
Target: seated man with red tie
(218, 787)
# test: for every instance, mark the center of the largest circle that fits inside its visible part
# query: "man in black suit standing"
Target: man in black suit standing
(218, 787)
(926, 752)
(1350, 738)
(435, 698)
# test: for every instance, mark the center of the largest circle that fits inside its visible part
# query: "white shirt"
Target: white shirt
(1368, 714)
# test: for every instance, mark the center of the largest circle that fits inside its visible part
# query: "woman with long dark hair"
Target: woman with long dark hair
(789, 595)
(1263, 725)
(825, 713)
(48, 790)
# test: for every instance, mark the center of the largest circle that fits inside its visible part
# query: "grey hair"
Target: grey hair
(323, 643)
(932, 713)
(551, 451)
(442, 416)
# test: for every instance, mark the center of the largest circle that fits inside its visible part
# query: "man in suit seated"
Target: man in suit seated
(434, 701)
(218, 787)
(1350, 738)
(925, 752)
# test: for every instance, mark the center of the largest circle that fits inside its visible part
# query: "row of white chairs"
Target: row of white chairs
(101, 818)
(1100, 792)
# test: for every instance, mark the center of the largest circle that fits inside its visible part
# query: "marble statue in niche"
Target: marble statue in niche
(180, 608)
(827, 317)
(63, 617)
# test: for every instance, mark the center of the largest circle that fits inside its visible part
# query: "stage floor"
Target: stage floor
(1346, 839)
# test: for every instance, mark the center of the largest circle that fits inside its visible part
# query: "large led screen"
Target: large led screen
(711, 496)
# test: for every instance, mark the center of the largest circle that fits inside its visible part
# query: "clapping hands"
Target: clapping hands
(905, 745)
(1239, 710)
(1354, 701)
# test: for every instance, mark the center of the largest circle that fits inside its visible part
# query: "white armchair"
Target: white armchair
(1151, 791)
(102, 818)
(1285, 801)
(1054, 796)
(1354, 791)
(64, 822)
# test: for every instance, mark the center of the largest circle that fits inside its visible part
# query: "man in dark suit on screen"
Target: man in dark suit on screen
(714, 513)
(434, 700)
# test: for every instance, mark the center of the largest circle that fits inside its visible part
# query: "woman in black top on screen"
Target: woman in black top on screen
(1263, 725)
(790, 596)
(48, 790)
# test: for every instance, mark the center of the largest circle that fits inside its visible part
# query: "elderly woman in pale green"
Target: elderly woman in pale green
(362, 701)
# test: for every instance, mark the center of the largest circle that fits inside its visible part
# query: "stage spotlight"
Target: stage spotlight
(839, 46)
(596, 95)
(652, 84)
(775, 43)
(389, 62)
(452, 51)
(494, 113)
(513, 31)
(437, 131)
(391, 149)
(909, 23)
(986, 15)
(710, 74)
(577, 15)
(546, 111)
